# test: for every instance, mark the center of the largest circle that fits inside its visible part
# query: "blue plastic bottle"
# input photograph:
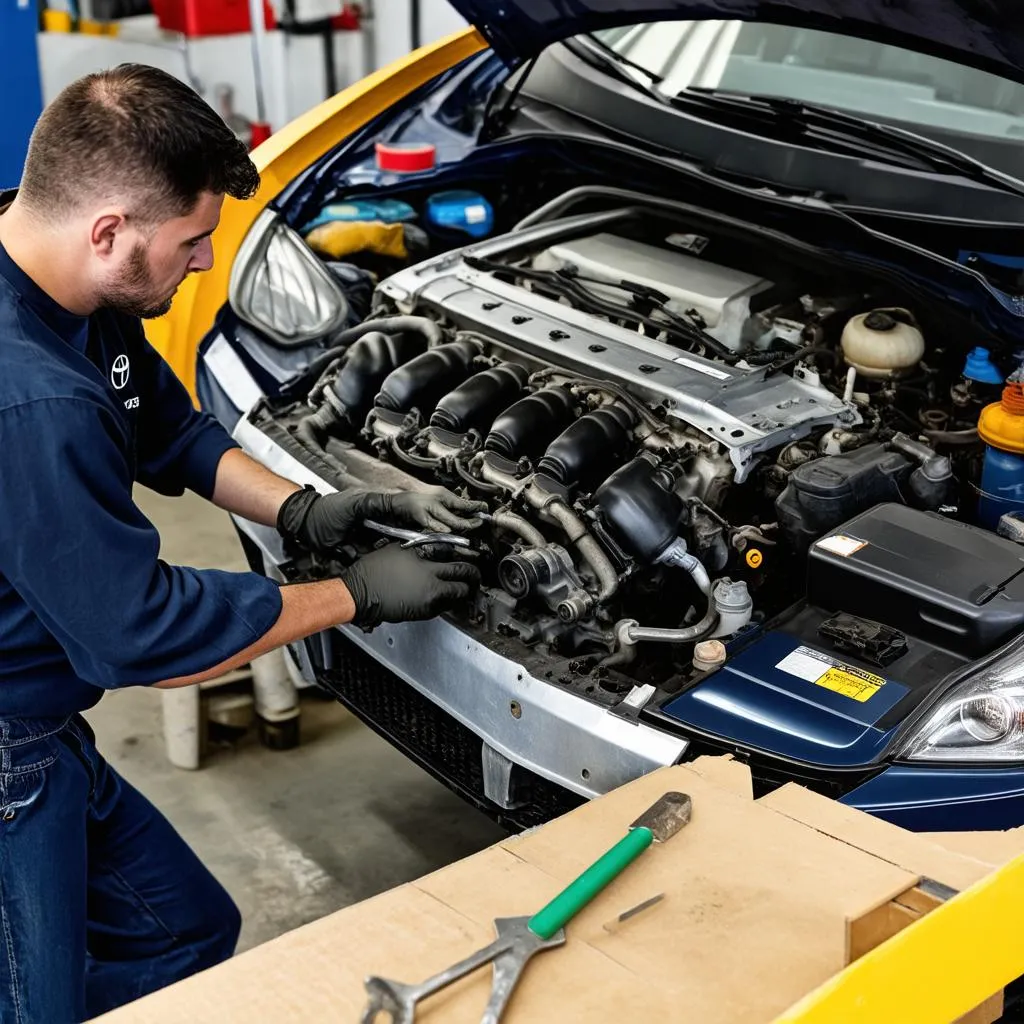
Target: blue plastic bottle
(1001, 427)
(460, 212)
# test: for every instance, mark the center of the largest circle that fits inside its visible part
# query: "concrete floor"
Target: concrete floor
(292, 835)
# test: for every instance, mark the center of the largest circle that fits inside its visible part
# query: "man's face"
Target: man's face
(154, 263)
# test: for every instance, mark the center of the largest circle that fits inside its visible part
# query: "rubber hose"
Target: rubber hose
(312, 429)
(419, 461)
(480, 485)
(769, 355)
(952, 436)
(803, 353)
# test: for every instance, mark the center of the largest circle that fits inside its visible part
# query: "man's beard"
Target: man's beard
(132, 294)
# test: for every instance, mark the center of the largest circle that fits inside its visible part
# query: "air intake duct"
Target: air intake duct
(475, 402)
(583, 453)
(641, 509)
(367, 364)
(526, 428)
(422, 382)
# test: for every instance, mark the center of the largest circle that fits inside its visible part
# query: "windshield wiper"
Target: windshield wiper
(595, 52)
(827, 126)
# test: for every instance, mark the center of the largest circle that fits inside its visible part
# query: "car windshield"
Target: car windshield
(888, 83)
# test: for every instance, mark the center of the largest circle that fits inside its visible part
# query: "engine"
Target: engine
(659, 437)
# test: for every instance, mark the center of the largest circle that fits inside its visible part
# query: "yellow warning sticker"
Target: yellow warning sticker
(823, 670)
(851, 683)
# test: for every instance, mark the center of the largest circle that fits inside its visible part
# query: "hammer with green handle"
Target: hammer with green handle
(520, 937)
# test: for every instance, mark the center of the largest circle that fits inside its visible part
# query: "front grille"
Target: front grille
(433, 739)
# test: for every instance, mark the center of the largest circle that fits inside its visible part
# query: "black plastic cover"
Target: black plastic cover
(525, 428)
(641, 510)
(869, 640)
(956, 586)
(422, 382)
(826, 492)
(367, 364)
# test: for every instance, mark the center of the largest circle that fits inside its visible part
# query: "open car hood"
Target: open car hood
(986, 34)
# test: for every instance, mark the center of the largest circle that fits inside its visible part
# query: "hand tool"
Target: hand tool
(520, 937)
(416, 538)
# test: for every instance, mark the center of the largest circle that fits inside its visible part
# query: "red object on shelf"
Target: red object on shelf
(197, 18)
(260, 133)
(406, 157)
(350, 19)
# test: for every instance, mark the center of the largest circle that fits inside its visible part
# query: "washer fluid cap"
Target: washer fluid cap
(1001, 424)
(406, 157)
(880, 320)
(979, 367)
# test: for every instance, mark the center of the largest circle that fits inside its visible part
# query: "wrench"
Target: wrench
(519, 938)
(509, 952)
(416, 538)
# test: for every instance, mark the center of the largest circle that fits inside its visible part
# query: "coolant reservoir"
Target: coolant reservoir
(882, 343)
(1001, 427)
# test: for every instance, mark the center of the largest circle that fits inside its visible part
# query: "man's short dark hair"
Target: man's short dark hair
(135, 135)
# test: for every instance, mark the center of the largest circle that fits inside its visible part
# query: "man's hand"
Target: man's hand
(396, 584)
(323, 522)
(435, 509)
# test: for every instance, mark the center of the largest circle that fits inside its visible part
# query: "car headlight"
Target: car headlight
(980, 719)
(280, 287)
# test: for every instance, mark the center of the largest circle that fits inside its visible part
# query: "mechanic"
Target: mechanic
(100, 900)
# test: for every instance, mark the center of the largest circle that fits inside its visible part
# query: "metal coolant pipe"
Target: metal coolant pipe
(575, 529)
(629, 632)
(518, 525)
(678, 556)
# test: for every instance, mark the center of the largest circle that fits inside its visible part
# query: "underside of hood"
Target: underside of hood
(986, 34)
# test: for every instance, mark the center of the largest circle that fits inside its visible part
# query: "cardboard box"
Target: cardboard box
(763, 901)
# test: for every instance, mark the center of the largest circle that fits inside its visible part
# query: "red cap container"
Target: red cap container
(406, 157)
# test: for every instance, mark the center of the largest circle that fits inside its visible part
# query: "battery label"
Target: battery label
(823, 670)
(840, 544)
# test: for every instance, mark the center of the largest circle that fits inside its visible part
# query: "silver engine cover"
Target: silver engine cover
(744, 409)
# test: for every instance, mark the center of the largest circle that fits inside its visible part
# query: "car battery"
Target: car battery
(899, 603)
(956, 586)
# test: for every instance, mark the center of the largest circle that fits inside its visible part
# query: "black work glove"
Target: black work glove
(396, 584)
(322, 522)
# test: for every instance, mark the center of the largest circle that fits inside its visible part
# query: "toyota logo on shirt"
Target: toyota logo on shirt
(119, 372)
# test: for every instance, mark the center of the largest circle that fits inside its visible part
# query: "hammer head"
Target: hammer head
(666, 816)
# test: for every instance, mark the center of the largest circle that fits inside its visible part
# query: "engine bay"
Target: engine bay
(661, 418)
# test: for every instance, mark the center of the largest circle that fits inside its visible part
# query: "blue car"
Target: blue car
(718, 307)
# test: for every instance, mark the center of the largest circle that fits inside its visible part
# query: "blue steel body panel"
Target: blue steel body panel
(944, 798)
(753, 702)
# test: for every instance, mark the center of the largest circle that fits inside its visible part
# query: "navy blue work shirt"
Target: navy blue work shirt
(87, 409)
